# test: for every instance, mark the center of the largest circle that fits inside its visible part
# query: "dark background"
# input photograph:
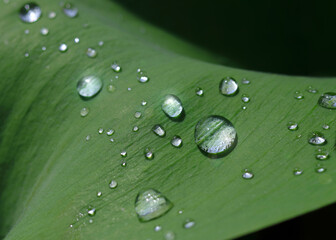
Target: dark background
(288, 36)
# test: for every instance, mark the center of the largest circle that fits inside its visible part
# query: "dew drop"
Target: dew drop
(157, 228)
(151, 204)
(322, 154)
(124, 164)
(87, 138)
(245, 81)
(51, 15)
(44, 31)
(159, 130)
(113, 184)
(311, 89)
(328, 100)
(44, 48)
(188, 224)
(320, 169)
(26, 54)
(76, 40)
(116, 67)
(317, 138)
(137, 115)
(110, 132)
(228, 86)
(169, 235)
(100, 43)
(123, 154)
(69, 10)
(172, 107)
(92, 212)
(297, 172)
(244, 107)
(30, 12)
(245, 98)
(292, 126)
(176, 141)
(89, 86)
(135, 129)
(84, 112)
(99, 194)
(149, 155)
(111, 88)
(111, 140)
(142, 76)
(63, 48)
(100, 130)
(326, 127)
(90, 220)
(91, 53)
(298, 95)
(26, 31)
(143, 103)
(199, 92)
(215, 136)
(247, 174)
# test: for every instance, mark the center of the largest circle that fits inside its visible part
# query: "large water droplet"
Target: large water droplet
(322, 154)
(176, 141)
(151, 204)
(215, 136)
(328, 100)
(30, 12)
(228, 86)
(172, 107)
(89, 86)
(317, 138)
(159, 130)
(70, 10)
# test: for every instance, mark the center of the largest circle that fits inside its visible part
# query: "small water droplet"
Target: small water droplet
(143, 103)
(44, 31)
(44, 48)
(84, 112)
(176, 141)
(30, 13)
(172, 107)
(215, 136)
(159, 130)
(116, 67)
(245, 98)
(169, 235)
(151, 204)
(113, 184)
(129, 89)
(135, 128)
(180, 212)
(100, 130)
(292, 126)
(149, 155)
(91, 53)
(123, 154)
(228, 86)
(199, 92)
(311, 89)
(26, 31)
(99, 194)
(320, 169)
(326, 127)
(90, 220)
(92, 212)
(26, 54)
(137, 115)
(317, 138)
(188, 224)
(69, 10)
(322, 154)
(298, 95)
(100, 43)
(244, 107)
(110, 132)
(63, 47)
(142, 76)
(51, 15)
(111, 88)
(157, 228)
(111, 140)
(89, 86)
(76, 40)
(328, 100)
(124, 164)
(87, 138)
(247, 174)
(297, 171)
(245, 81)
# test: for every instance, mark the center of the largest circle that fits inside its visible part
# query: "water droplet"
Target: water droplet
(111, 140)
(159, 130)
(91, 53)
(292, 126)
(123, 154)
(326, 127)
(320, 169)
(90, 220)
(124, 164)
(169, 235)
(245, 98)
(228, 87)
(115, 67)
(84, 112)
(129, 89)
(149, 155)
(76, 40)
(172, 107)
(180, 212)
(151, 204)
(176, 141)
(245, 81)
(87, 138)
(92, 212)
(157, 228)
(188, 224)
(63, 47)
(111, 88)
(215, 136)
(113, 184)
(297, 171)
(26, 54)
(298, 95)
(44, 48)
(142, 76)
(199, 92)
(244, 107)
(311, 89)
(30, 12)
(69, 10)
(44, 31)
(26, 31)
(135, 128)
(322, 154)
(143, 103)
(100, 130)
(317, 138)
(101, 43)
(137, 115)
(51, 15)
(328, 100)
(89, 86)
(247, 174)
(110, 132)
(99, 194)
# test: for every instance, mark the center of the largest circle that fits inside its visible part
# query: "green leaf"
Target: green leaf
(50, 173)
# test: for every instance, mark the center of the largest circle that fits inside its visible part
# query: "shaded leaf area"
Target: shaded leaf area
(290, 37)
(50, 173)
